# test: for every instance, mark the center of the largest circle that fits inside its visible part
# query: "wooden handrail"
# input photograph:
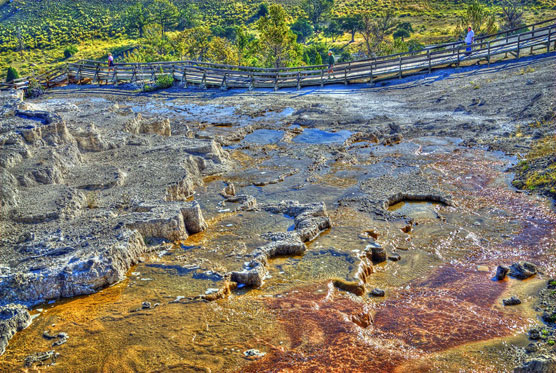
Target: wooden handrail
(206, 73)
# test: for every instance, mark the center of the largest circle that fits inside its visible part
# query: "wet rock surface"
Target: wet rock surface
(250, 219)
(13, 318)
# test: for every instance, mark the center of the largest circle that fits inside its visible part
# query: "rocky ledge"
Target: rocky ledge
(81, 203)
(310, 220)
(13, 318)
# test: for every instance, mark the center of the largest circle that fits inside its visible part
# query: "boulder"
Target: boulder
(252, 275)
(376, 253)
(523, 270)
(501, 272)
(511, 301)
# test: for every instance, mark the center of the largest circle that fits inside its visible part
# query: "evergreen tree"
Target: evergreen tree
(12, 74)
(164, 13)
(137, 18)
(303, 29)
(277, 41)
(351, 24)
(316, 10)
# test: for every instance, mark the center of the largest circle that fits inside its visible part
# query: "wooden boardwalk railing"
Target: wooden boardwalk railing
(516, 42)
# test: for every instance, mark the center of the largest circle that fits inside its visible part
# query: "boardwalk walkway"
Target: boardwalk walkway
(517, 43)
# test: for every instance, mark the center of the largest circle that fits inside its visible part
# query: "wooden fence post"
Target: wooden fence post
(133, 75)
(371, 75)
(298, 80)
(429, 58)
(79, 72)
(251, 81)
(115, 75)
(400, 72)
(548, 41)
(204, 80)
(518, 46)
(532, 37)
(506, 54)
(223, 85)
(322, 78)
(488, 55)
(184, 77)
(276, 81)
(346, 73)
(459, 47)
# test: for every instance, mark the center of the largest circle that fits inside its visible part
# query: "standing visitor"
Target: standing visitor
(469, 39)
(331, 62)
(110, 62)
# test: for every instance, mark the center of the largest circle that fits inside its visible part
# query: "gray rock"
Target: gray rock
(376, 292)
(252, 275)
(40, 358)
(13, 318)
(511, 301)
(523, 270)
(377, 254)
(253, 354)
(247, 202)
(540, 364)
(62, 338)
(394, 257)
(501, 272)
(146, 305)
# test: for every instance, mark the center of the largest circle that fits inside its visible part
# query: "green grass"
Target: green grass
(95, 27)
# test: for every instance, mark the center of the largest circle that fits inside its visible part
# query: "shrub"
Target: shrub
(162, 82)
(35, 89)
(12, 74)
(70, 51)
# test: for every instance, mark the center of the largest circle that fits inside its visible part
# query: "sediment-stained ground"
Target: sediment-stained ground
(341, 229)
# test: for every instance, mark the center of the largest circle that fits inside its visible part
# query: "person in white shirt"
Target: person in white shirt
(469, 39)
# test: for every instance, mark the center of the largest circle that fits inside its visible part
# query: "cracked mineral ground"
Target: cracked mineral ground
(346, 229)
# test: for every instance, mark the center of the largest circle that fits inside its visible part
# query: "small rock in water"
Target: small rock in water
(253, 354)
(523, 270)
(146, 305)
(377, 292)
(40, 357)
(211, 291)
(62, 338)
(378, 254)
(394, 257)
(511, 301)
(501, 272)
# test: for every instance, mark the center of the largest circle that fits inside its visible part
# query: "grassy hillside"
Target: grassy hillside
(34, 33)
